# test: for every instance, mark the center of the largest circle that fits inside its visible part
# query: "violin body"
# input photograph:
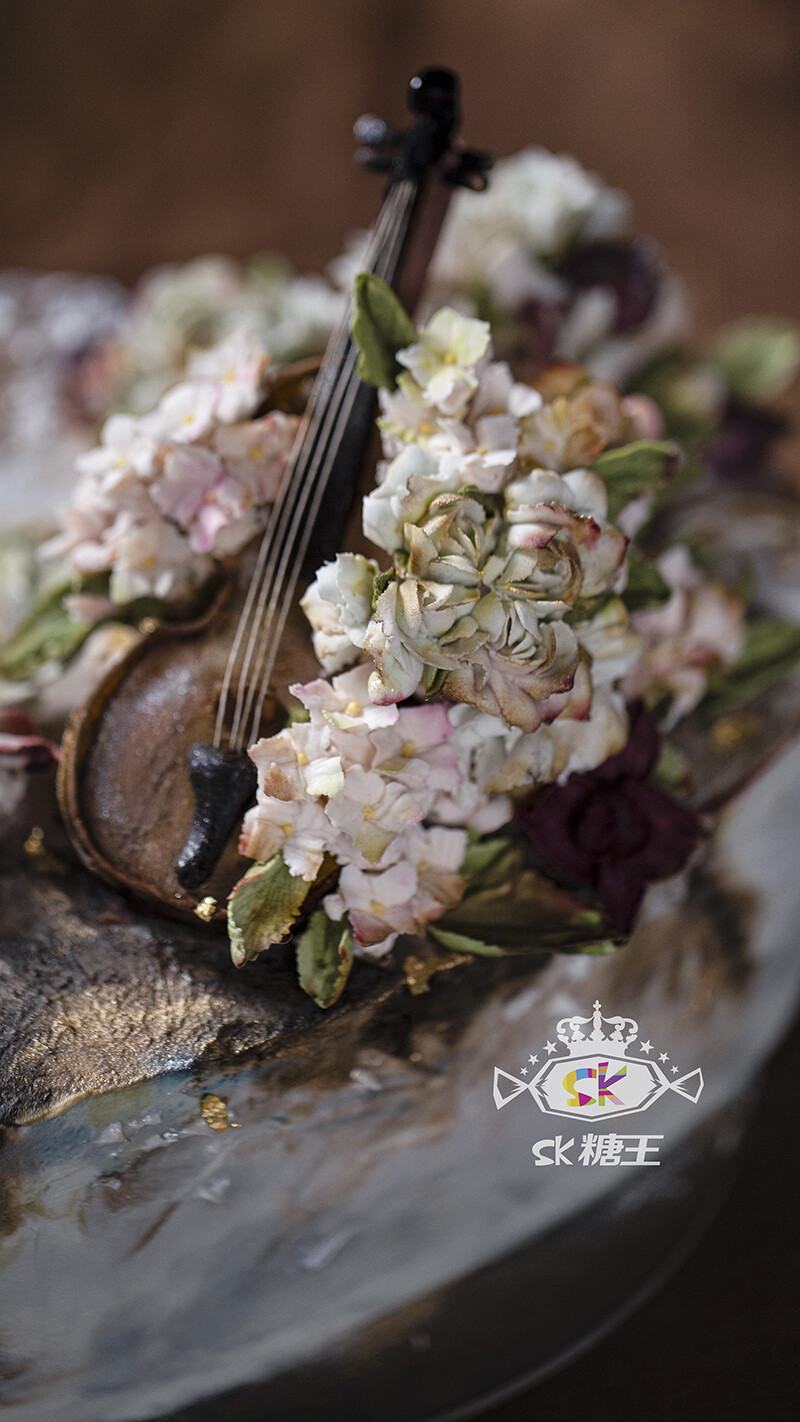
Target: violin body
(123, 785)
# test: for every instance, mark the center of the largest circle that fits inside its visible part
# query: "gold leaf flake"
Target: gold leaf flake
(730, 732)
(215, 1113)
(206, 909)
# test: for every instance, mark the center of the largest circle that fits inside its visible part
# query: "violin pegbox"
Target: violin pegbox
(427, 142)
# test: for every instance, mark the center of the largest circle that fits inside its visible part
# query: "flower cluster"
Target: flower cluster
(165, 494)
(352, 785)
(544, 250)
(701, 626)
(497, 530)
(178, 310)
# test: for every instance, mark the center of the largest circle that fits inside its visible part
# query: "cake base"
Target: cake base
(369, 1233)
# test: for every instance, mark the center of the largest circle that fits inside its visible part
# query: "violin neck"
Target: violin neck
(310, 514)
(398, 252)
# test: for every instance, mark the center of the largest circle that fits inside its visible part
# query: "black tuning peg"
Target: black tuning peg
(375, 132)
(470, 170)
(374, 160)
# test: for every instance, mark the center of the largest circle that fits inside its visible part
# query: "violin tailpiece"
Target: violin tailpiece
(224, 784)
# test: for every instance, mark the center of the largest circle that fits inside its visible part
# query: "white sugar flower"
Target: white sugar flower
(187, 479)
(612, 642)
(152, 560)
(443, 362)
(407, 419)
(701, 626)
(338, 604)
(537, 203)
(125, 447)
(164, 494)
(480, 599)
(256, 451)
(569, 431)
(343, 704)
(349, 782)
(185, 413)
(235, 368)
(405, 491)
(415, 891)
(372, 810)
(374, 904)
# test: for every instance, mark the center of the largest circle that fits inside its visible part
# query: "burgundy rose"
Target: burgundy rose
(743, 442)
(540, 322)
(630, 270)
(611, 829)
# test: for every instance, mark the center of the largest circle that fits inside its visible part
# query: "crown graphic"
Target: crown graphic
(570, 1031)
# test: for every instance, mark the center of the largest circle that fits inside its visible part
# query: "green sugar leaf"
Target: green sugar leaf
(324, 958)
(380, 328)
(645, 587)
(770, 653)
(462, 943)
(48, 634)
(635, 469)
(262, 908)
(508, 909)
(758, 358)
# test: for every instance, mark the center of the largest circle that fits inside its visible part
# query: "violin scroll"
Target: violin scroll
(433, 96)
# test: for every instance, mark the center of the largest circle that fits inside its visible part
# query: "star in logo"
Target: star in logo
(674, 1070)
(523, 1071)
(550, 1047)
(646, 1046)
(533, 1060)
(663, 1057)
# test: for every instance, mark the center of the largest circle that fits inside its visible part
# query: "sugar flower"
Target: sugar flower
(536, 205)
(611, 828)
(416, 891)
(165, 494)
(338, 604)
(443, 362)
(348, 782)
(701, 626)
(495, 529)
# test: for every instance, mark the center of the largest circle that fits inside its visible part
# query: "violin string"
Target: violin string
(292, 481)
(317, 468)
(306, 433)
(295, 546)
(317, 481)
(324, 411)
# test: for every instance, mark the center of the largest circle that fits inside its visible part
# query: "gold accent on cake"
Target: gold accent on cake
(733, 731)
(214, 1112)
(206, 909)
(34, 844)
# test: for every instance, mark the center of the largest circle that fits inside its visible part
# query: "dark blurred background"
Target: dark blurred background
(140, 131)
